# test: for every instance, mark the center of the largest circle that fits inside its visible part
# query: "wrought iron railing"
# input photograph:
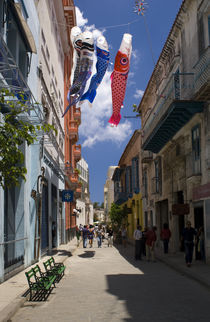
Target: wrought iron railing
(202, 70)
(180, 86)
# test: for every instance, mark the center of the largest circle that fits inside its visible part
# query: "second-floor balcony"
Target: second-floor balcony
(120, 197)
(173, 110)
(77, 152)
(74, 178)
(77, 114)
(73, 130)
(202, 76)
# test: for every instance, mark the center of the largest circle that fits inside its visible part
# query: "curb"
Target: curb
(9, 311)
(183, 272)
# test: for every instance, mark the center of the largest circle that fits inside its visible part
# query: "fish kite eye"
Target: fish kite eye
(124, 61)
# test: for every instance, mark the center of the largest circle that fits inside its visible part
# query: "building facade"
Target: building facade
(108, 192)
(19, 43)
(36, 58)
(83, 203)
(175, 128)
(126, 179)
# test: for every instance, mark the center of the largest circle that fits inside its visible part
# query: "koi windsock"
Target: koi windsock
(76, 40)
(119, 77)
(101, 67)
(85, 70)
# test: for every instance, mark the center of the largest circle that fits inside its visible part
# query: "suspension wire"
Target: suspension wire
(149, 40)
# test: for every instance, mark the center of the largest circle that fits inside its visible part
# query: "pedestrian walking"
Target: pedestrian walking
(91, 235)
(110, 236)
(144, 238)
(85, 236)
(200, 244)
(78, 234)
(124, 236)
(188, 236)
(150, 243)
(165, 236)
(138, 242)
(99, 236)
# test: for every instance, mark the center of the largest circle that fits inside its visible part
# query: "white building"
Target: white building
(109, 191)
(83, 204)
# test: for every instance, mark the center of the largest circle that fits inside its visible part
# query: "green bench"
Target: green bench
(54, 268)
(40, 287)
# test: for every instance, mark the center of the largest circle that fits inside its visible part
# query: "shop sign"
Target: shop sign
(181, 209)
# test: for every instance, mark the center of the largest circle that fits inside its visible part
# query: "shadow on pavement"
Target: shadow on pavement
(87, 254)
(60, 252)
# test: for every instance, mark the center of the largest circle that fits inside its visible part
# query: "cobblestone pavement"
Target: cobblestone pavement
(106, 284)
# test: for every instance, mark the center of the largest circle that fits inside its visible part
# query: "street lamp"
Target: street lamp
(37, 195)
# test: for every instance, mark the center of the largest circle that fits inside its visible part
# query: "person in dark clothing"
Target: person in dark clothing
(188, 236)
(165, 235)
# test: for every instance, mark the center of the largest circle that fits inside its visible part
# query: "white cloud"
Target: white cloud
(135, 56)
(139, 93)
(94, 127)
(81, 21)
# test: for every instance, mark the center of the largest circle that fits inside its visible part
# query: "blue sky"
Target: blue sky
(103, 145)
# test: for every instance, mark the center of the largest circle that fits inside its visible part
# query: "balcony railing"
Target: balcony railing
(77, 152)
(73, 130)
(77, 114)
(74, 177)
(120, 197)
(202, 76)
(180, 86)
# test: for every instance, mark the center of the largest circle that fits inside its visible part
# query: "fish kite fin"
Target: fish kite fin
(89, 95)
(115, 119)
(66, 110)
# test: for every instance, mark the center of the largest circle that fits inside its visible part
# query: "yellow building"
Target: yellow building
(127, 184)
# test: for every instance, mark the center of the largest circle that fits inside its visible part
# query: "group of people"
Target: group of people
(89, 232)
(145, 242)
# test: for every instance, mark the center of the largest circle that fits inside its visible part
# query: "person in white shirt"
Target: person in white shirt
(137, 235)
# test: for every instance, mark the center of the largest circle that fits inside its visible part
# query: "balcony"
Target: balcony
(78, 192)
(202, 76)
(120, 197)
(74, 178)
(173, 109)
(146, 156)
(73, 130)
(77, 152)
(77, 114)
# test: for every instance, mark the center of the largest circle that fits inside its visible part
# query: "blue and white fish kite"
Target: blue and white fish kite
(85, 70)
(103, 56)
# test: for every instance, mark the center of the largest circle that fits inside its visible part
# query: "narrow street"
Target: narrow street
(106, 284)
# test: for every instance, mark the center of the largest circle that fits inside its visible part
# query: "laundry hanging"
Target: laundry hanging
(103, 56)
(119, 77)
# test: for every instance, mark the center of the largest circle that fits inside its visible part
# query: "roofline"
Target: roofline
(160, 56)
(135, 135)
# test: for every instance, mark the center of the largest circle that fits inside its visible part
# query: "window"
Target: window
(16, 44)
(157, 179)
(145, 183)
(196, 157)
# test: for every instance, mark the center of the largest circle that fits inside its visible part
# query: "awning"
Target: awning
(27, 32)
(178, 114)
